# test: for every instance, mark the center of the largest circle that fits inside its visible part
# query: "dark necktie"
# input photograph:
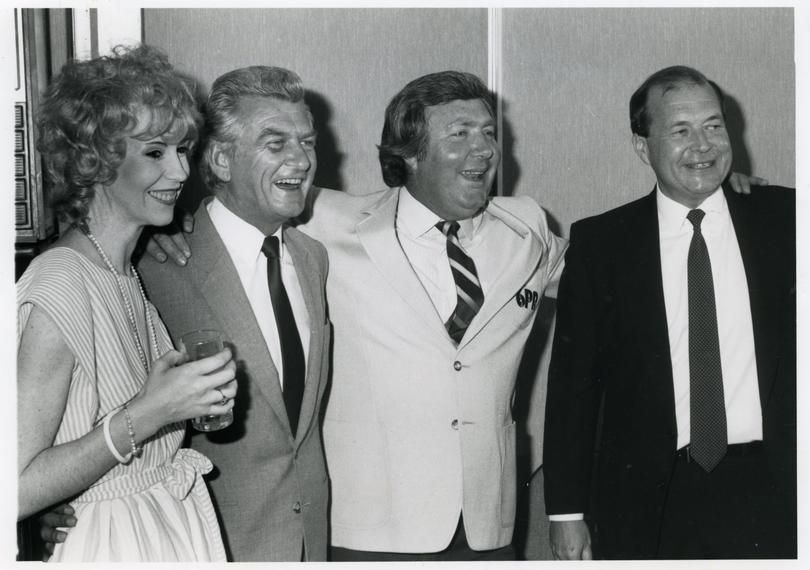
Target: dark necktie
(709, 437)
(292, 353)
(469, 295)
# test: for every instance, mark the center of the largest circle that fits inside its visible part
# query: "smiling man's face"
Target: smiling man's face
(270, 168)
(455, 176)
(688, 145)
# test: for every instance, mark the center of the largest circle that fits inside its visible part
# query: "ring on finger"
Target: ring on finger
(224, 400)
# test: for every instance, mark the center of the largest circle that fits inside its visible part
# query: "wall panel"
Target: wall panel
(353, 61)
(568, 75)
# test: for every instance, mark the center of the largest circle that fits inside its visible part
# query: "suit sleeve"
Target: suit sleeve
(555, 262)
(573, 392)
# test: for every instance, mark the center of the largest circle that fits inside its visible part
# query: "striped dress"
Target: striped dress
(156, 507)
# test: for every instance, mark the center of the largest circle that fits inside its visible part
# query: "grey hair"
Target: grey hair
(223, 122)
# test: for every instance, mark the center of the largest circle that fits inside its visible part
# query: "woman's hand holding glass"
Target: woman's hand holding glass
(178, 390)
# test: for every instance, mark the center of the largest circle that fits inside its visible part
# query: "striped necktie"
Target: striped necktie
(469, 295)
(709, 436)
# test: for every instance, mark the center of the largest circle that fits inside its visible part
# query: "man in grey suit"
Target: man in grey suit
(261, 284)
(271, 487)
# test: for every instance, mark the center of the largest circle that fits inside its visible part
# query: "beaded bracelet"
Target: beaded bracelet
(136, 450)
(108, 439)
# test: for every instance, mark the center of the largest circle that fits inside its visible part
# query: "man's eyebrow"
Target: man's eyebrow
(273, 132)
(467, 122)
(715, 117)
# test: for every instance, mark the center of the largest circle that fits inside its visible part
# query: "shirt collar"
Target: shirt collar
(243, 240)
(417, 219)
(672, 214)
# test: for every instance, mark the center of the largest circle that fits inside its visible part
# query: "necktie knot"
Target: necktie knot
(270, 247)
(450, 229)
(696, 217)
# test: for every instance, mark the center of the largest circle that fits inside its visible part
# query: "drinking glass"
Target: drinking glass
(201, 344)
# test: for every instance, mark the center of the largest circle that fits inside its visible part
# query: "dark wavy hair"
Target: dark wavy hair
(92, 105)
(405, 132)
(666, 79)
(223, 123)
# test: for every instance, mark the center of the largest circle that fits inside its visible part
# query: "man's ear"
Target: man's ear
(410, 162)
(219, 160)
(640, 146)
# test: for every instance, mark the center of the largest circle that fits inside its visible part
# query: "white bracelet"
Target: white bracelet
(108, 439)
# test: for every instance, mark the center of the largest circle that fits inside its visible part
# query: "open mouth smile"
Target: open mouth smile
(474, 175)
(700, 165)
(166, 197)
(289, 183)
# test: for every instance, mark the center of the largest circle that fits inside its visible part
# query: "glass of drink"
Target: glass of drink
(201, 344)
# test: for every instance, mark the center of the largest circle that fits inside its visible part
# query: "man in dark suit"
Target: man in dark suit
(671, 411)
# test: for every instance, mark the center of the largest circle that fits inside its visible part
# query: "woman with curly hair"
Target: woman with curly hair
(102, 396)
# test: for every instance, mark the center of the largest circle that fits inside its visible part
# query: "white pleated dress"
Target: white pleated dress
(156, 507)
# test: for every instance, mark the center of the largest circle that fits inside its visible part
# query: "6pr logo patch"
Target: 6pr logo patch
(527, 299)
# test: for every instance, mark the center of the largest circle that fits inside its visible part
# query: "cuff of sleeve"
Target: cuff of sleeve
(566, 517)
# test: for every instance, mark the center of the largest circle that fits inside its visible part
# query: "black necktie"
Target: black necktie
(292, 354)
(469, 295)
(709, 437)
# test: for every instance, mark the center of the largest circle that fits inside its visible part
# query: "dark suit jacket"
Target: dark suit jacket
(610, 379)
(270, 489)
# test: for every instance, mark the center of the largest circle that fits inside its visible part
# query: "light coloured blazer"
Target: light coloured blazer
(416, 429)
(270, 490)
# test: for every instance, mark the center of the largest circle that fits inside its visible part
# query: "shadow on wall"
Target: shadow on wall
(511, 169)
(509, 166)
(735, 124)
(330, 157)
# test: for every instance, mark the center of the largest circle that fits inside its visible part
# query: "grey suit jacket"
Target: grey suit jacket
(270, 489)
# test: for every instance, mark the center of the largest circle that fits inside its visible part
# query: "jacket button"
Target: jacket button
(457, 366)
(297, 507)
(454, 424)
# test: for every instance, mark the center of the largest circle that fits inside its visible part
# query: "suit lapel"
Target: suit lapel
(510, 276)
(755, 255)
(377, 234)
(216, 278)
(311, 287)
(639, 253)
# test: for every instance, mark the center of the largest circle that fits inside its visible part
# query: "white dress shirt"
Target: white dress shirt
(244, 244)
(734, 326)
(425, 246)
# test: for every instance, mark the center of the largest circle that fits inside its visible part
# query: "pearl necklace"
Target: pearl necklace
(128, 305)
